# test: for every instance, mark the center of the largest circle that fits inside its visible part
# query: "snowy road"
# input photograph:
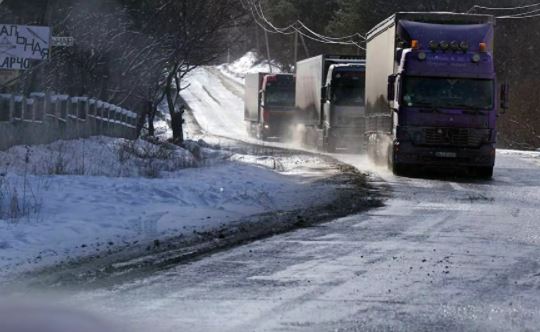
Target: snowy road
(441, 255)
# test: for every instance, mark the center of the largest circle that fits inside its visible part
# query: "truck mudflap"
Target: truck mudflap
(405, 153)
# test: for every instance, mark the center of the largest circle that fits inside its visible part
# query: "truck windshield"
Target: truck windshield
(448, 93)
(348, 88)
(279, 95)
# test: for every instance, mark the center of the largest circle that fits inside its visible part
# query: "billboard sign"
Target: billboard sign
(19, 44)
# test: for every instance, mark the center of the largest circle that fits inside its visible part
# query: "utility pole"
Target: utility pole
(257, 39)
(295, 48)
(268, 50)
(305, 45)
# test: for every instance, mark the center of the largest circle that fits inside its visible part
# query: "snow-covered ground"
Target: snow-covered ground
(441, 255)
(216, 108)
(72, 199)
(249, 63)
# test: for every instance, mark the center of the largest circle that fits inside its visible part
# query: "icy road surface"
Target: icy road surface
(440, 255)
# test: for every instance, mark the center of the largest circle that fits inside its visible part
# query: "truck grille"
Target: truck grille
(455, 137)
(350, 122)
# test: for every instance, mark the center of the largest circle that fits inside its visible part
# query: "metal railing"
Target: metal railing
(43, 118)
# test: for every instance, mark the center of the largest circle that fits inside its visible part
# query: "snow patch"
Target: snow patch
(249, 63)
(106, 205)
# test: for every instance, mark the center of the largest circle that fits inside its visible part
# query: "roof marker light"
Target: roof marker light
(444, 45)
(454, 45)
(464, 46)
(483, 47)
(415, 44)
(433, 45)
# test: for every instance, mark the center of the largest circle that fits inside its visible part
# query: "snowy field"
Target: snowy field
(84, 198)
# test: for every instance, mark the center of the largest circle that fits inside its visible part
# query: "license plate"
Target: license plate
(446, 154)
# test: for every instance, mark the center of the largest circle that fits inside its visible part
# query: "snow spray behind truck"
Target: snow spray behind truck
(269, 104)
(330, 101)
(432, 96)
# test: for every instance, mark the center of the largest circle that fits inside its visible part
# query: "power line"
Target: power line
(298, 27)
(517, 17)
(260, 14)
(331, 38)
(532, 13)
(503, 8)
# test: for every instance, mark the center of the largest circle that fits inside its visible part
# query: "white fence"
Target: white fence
(44, 118)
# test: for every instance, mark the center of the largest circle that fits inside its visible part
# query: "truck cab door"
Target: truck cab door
(326, 107)
(261, 105)
(393, 93)
(394, 97)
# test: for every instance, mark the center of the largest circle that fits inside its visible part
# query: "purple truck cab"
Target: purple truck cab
(432, 92)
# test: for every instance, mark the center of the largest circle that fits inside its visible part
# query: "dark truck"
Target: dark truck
(330, 101)
(269, 104)
(432, 94)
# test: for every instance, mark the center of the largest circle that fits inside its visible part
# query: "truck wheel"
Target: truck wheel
(398, 169)
(249, 129)
(484, 172)
(330, 146)
(260, 134)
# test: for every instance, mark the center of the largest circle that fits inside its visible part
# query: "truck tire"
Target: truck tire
(330, 145)
(260, 134)
(485, 173)
(397, 169)
(249, 129)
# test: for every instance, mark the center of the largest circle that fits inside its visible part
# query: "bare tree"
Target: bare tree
(134, 53)
(192, 33)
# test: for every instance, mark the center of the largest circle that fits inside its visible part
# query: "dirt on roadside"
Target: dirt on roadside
(353, 194)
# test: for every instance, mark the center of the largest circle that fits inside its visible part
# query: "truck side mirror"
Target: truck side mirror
(505, 97)
(391, 93)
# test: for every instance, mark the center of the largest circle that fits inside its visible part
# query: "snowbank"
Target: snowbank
(89, 209)
(105, 156)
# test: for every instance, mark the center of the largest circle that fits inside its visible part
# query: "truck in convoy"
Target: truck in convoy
(432, 98)
(269, 105)
(330, 102)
